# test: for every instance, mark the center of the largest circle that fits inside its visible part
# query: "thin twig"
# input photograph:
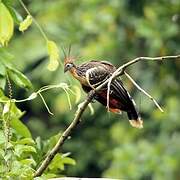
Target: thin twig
(43, 100)
(122, 68)
(84, 105)
(68, 98)
(143, 91)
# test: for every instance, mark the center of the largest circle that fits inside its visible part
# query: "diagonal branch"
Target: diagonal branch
(143, 91)
(65, 135)
(84, 105)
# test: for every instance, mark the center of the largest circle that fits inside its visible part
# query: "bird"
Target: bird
(91, 74)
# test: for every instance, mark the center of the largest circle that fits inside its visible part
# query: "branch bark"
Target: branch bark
(65, 135)
(84, 105)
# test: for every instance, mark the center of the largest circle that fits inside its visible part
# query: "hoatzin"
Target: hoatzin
(93, 73)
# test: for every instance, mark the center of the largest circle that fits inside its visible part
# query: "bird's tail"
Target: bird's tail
(134, 119)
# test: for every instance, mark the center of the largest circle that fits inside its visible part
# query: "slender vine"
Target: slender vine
(34, 20)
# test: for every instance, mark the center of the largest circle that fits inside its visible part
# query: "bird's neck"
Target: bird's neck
(73, 71)
(81, 79)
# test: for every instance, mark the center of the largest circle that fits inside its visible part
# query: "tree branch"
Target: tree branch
(122, 68)
(65, 135)
(84, 105)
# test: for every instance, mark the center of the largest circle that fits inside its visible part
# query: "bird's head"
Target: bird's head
(68, 60)
(68, 66)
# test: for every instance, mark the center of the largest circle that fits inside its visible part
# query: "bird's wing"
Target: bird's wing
(96, 72)
(119, 92)
(97, 75)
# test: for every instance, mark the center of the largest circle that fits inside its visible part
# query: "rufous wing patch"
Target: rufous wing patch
(118, 111)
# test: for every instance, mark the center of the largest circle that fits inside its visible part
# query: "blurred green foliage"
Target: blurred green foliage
(105, 144)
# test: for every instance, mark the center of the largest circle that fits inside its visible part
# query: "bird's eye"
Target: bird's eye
(69, 65)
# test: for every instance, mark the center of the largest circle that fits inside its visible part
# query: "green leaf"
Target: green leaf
(8, 2)
(28, 162)
(2, 69)
(56, 163)
(38, 143)
(25, 24)
(2, 96)
(27, 141)
(20, 170)
(20, 128)
(2, 75)
(8, 156)
(18, 78)
(2, 138)
(2, 153)
(6, 108)
(2, 82)
(68, 160)
(6, 58)
(6, 25)
(5, 55)
(15, 112)
(20, 149)
(53, 55)
(59, 161)
(47, 176)
(16, 168)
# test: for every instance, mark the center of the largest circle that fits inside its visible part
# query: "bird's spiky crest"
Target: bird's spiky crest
(67, 56)
(69, 50)
(64, 52)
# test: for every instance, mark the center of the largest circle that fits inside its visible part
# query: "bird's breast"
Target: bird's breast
(80, 78)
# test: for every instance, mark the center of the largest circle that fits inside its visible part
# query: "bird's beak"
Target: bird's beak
(65, 69)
